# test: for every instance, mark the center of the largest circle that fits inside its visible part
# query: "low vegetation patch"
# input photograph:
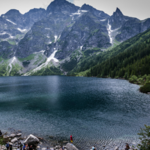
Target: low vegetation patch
(2, 141)
(144, 138)
(30, 57)
(145, 88)
(12, 42)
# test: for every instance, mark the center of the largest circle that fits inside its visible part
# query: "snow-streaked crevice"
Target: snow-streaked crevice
(10, 64)
(49, 59)
(59, 37)
(103, 20)
(11, 22)
(55, 38)
(110, 32)
(42, 51)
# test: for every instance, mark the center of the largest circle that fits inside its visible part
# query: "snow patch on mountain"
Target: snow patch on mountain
(11, 22)
(49, 59)
(52, 57)
(84, 11)
(47, 29)
(103, 20)
(22, 30)
(42, 51)
(3, 33)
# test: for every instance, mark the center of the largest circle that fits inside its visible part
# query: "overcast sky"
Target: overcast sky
(133, 8)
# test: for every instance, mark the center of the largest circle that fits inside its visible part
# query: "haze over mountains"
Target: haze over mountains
(56, 40)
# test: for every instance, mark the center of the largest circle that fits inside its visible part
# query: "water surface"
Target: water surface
(91, 109)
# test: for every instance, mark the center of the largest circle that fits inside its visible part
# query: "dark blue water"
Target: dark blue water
(91, 109)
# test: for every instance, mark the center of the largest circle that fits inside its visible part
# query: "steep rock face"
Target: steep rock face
(26, 20)
(42, 33)
(129, 29)
(145, 24)
(14, 25)
(84, 34)
(9, 32)
(6, 50)
(62, 6)
(6, 26)
(47, 30)
(95, 12)
(14, 15)
(33, 16)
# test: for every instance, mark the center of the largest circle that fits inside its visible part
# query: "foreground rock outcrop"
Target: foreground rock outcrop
(17, 140)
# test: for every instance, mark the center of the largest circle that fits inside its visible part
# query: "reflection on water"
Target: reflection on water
(91, 109)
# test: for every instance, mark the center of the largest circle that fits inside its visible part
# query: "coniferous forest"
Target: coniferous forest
(132, 61)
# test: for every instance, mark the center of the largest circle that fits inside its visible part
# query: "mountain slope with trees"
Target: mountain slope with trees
(131, 62)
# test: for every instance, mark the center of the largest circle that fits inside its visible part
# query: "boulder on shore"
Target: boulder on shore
(12, 135)
(70, 146)
(31, 139)
(19, 134)
(14, 140)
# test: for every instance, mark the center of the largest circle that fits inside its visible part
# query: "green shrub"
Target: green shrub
(148, 79)
(145, 138)
(2, 141)
(133, 79)
(140, 80)
(145, 88)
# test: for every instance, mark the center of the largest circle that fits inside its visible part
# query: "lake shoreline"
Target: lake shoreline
(142, 85)
(16, 139)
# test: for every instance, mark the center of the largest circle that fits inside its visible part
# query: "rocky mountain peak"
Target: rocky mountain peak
(36, 10)
(85, 6)
(95, 12)
(61, 6)
(13, 12)
(118, 12)
(117, 19)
